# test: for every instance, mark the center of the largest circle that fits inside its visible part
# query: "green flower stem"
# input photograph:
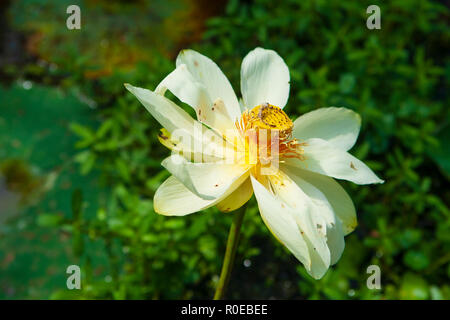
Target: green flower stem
(230, 253)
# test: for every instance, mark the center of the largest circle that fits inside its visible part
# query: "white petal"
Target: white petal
(216, 117)
(279, 218)
(264, 78)
(324, 158)
(205, 71)
(289, 213)
(167, 113)
(238, 198)
(323, 215)
(190, 135)
(173, 199)
(207, 180)
(185, 87)
(312, 212)
(323, 212)
(339, 126)
(335, 241)
(338, 198)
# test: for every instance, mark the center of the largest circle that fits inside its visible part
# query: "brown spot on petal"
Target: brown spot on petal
(353, 166)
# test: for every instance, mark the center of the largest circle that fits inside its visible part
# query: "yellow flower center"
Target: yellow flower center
(267, 131)
(267, 116)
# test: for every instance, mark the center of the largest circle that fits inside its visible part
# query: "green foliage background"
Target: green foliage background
(396, 78)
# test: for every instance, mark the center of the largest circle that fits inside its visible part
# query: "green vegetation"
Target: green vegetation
(84, 157)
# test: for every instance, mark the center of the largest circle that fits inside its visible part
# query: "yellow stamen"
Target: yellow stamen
(271, 125)
(267, 116)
